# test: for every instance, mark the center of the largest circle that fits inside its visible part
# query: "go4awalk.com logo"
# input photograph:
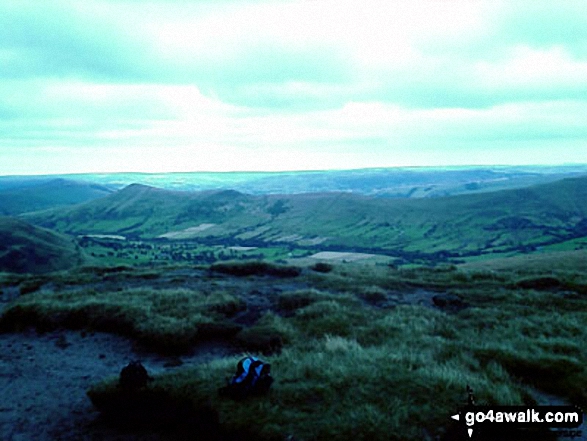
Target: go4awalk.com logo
(492, 419)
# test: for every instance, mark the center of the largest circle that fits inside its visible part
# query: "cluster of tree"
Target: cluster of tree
(158, 250)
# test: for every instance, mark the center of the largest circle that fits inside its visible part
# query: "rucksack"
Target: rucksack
(252, 377)
(133, 376)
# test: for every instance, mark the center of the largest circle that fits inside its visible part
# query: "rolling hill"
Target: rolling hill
(25, 248)
(396, 182)
(508, 220)
(409, 182)
(27, 195)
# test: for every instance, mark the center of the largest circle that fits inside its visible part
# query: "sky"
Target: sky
(94, 86)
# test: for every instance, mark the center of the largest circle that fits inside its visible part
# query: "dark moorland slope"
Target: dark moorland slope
(25, 248)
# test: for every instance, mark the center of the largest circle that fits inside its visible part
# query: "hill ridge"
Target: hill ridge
(455, 225)
(25, 248)
(45, 194)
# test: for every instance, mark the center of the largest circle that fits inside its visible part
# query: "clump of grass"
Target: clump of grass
(224, 303)
(149, 275)
(32, 284)
(102, 270)
(256, 268)
(539, 283)
(170, 320)
(331, 317)
(267, 336)
(548, 372)
(294, 300)
(322, 267)
(11, 279)
(373, 294)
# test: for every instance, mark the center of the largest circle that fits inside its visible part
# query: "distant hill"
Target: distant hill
(508, 220)
(398, 182)
(25, 195)
(25, 248)
(145, 211)
(409, 182)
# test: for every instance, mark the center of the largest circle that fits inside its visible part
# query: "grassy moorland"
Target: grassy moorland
(357, 352)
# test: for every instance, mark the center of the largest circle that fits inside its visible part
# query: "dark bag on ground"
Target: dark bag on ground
(133, 376)
(252, 377)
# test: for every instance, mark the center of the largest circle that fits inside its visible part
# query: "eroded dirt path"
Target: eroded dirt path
(44, 378)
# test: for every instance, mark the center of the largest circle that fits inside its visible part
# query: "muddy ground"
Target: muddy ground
(44, 378)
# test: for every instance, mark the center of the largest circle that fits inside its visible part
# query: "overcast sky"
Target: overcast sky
(164, 85)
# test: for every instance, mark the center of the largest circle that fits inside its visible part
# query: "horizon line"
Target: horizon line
(275, 172)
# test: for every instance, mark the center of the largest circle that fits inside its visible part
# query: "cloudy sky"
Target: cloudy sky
(178, 85)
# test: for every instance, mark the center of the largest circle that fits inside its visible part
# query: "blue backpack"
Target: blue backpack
(252, 377)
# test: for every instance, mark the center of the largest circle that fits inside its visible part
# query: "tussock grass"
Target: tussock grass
(539, 283)
(291, 301)
(334, 388)
(32, 284)
(373, 294)
(167, 319)
(101, 270)
(330, 317)
(268, 335)
(343, 367)
(322, 267)
(353, 372)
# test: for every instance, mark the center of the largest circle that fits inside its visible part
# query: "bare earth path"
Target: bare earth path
(44, 378)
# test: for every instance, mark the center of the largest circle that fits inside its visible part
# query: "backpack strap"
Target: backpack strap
(255, 369)
(243, 369)
(264, 370)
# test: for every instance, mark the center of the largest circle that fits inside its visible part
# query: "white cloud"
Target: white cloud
(162, 86)
(525, 67)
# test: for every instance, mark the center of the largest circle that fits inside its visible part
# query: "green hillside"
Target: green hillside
(25, 248)
(144, 211)
(540, 263)
(34, 195)
(504, 221)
